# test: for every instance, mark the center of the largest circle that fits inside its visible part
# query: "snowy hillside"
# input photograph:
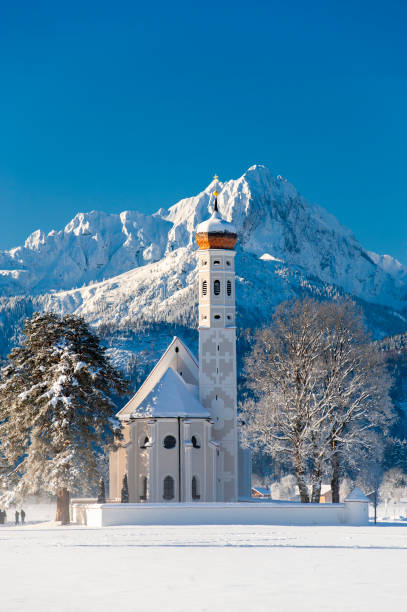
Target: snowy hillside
(122, 270)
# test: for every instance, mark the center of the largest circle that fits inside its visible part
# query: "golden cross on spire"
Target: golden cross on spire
(215, 193)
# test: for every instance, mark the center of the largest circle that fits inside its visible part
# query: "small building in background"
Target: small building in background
(325, 498)
(261, 492)
(326, 494)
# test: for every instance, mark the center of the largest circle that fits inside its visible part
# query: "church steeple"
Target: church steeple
(216, 239)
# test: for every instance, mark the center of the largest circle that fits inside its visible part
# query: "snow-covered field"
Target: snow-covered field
(44, 567)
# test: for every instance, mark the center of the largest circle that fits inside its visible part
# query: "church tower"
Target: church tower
(216, 239)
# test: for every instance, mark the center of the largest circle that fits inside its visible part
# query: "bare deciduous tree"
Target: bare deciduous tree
(320, 389)
(356, 385)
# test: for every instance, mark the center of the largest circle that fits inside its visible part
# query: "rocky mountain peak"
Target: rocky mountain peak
(273, 221)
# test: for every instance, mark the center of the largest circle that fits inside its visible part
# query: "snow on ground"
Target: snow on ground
(390, 512)
(36, 512)
(44, 567)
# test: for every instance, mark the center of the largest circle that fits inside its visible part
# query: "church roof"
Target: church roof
(216, 224)
(216, 233)
(171, 397)
(177, 356)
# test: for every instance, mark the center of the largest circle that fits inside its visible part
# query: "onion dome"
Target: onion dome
(215, 232)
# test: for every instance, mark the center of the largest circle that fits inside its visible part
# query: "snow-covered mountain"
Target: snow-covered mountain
(91, 247)
(121, 270)
(273, 220)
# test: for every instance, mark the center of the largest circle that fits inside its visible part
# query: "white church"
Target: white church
(180, 452)
(180, 429)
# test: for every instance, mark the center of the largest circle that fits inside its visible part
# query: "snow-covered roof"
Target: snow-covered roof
(216, 225)
(357, 495)
(178, 356)
(171, 397)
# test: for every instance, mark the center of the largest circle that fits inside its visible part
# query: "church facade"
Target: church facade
(180, 428)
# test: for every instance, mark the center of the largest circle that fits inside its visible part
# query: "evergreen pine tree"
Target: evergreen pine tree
(56, 412)
(125, 491)
(101, 492)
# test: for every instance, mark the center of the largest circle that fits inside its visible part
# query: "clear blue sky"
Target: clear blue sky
(117, 105)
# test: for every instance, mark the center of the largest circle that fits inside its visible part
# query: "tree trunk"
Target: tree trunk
(375, 505)
(63, 507)
(316, 485)
(300, 473)
(335, 475)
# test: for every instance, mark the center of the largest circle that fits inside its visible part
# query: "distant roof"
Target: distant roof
(357, 495)
(171, 397)
(262, 490)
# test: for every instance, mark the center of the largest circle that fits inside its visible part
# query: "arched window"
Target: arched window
(143, 491)
(195, 442)
(169, 442)
(229, 287)
(204, 287)
(216, 262)
(168, 492)
(195, 488)
(216, 287)
(143, 444)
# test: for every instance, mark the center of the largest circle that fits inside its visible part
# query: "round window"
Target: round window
(169, 442)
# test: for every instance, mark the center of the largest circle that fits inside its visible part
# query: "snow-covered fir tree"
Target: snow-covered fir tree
(56, 410)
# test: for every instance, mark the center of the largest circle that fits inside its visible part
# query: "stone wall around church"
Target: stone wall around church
(243, 513)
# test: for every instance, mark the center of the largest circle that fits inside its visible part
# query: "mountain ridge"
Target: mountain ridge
(121, 271)
(272, 219)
